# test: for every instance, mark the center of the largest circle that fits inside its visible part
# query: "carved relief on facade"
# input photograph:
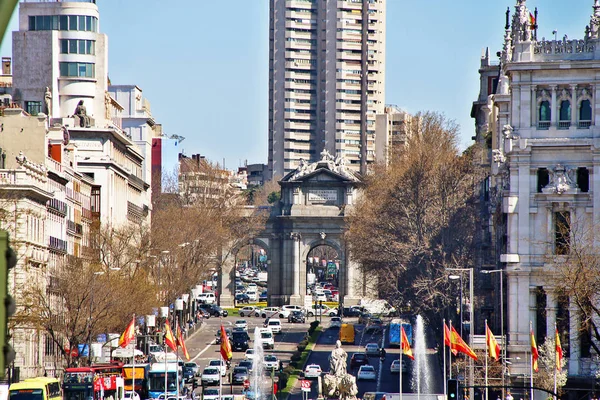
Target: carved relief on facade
(562, 180)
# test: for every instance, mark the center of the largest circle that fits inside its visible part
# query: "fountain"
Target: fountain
(260, 386)
(421, 376)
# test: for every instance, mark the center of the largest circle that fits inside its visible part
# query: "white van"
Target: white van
(252, 295)
(275, 325)
(207, 298)
(265, 338)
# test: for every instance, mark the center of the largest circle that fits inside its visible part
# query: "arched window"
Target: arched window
(585, 114)
(545, 111)
(585, 111)
(564, 121)
(565, 110)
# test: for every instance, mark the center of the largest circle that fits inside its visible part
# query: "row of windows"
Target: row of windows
(299, 111)
(349, 71)
(348, 101)
(301, 91)
(307, 41)
(348, 141)
(307, 81)
(564, 113)
(302, 21)
(63, 23)
(300, 10)
(77, 46)
(300, 101)
(300, 151)
(77, 69)
(301, 61)
(349, 81)
(358, 31)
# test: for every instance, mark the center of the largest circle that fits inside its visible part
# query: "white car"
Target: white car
(274, 325)
(252, 285)
(336, 322)
(366, 372)
(249, 355)
(247, 311)
(266, 312)
(211, 394)
(210, 376)
(319, 309)
(287, 310)
(271, 362)
(241, 323)
(395, 367)
(265, 338)
(127, 396)
(220, 365)
(312, 371)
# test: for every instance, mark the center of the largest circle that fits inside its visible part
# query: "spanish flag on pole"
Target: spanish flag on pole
(128, 335)
(226, 352)
(405, 345)
(447, 342)
(181, 343)
(169, 338)
(559, 352)
(534, 352)
(460, 345)
(492, 344)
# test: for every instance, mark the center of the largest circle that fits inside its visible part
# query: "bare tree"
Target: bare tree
(417, 217)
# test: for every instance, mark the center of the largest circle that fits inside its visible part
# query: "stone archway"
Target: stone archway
(312, 211)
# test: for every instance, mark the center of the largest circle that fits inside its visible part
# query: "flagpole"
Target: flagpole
(450, 350)
(531, 363)
(400, 389)
(165, 354)
(177, 361)
(555, 357)
(487, 353)
(133, 360)
(444, 354)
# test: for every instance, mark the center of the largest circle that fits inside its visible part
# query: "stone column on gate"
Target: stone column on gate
(296, 299)
(226, 281)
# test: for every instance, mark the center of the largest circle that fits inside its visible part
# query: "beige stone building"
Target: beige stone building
(327, 81)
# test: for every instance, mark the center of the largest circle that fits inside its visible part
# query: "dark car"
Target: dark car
(240, 374)
(364, 318)
(375, 325)
(239, 341)
(218, 335)
(263, 296)
(242, 298)
(214, 310)
(351, 312)
(297, 316)
(358, 359)
(188, 373)
(247, 364)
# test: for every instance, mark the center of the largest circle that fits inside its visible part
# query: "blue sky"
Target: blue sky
(204, 65)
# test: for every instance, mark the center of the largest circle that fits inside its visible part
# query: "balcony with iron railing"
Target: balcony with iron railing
(58, 206)
(585, 124)
(57, 244)
(74, 228)
(86, 213)
(564, 124)
(544, 125)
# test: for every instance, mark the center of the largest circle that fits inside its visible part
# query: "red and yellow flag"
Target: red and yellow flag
(532, 20)
(226, 352)
(559, 352)
(447, 342)
(492, 343)
(534, 353)
(405, 345)
(460, 345)
(181, 343)
(128, 335)
(169, 338)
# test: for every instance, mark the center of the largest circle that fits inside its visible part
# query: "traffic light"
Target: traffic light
(452, 389)
(8, 259)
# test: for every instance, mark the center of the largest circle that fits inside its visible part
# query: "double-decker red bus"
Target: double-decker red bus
(94, 383)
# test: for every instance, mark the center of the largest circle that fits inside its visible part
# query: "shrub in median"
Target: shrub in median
(313, 326)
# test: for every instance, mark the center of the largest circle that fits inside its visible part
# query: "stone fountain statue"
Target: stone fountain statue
(338, 383)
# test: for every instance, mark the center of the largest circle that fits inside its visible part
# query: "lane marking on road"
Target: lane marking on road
(202, 351)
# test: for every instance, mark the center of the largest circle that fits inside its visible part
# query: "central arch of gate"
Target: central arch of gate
(315, 199)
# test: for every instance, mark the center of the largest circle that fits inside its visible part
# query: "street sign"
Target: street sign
(305, 385)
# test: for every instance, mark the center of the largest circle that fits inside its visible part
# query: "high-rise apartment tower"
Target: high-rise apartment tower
(327, 80)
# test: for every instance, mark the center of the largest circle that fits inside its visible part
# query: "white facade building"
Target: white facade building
(544, 125)
(327, 81)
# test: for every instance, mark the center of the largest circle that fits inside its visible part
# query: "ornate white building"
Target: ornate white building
(542, 125)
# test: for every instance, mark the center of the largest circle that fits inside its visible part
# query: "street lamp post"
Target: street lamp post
(503, 350)
(471, 328)
(93, 284)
